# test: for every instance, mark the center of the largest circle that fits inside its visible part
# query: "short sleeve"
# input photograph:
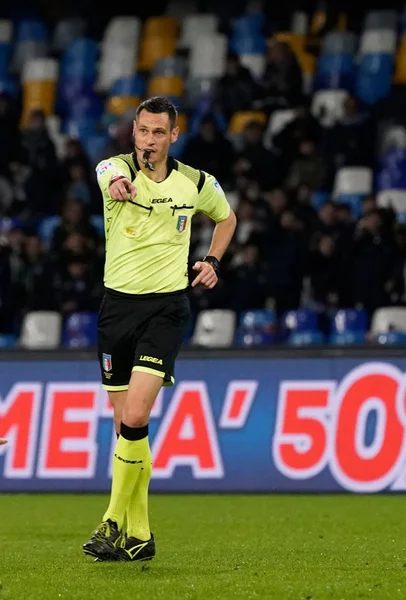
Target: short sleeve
(111, 167)
(212, 200)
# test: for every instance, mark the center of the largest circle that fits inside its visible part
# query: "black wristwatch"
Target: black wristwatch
(214, 263)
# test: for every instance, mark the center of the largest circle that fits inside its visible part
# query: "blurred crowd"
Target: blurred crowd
(287, 251)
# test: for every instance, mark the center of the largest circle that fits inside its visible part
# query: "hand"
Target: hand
(207, 275)
(122, 190)
(3, 441)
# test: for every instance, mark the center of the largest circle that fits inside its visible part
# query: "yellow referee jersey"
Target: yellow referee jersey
(148, 238)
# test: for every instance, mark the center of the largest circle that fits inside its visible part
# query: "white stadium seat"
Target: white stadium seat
(353, 180)
(389, 318)
(214, 328)
(328, 106)
(41, 330)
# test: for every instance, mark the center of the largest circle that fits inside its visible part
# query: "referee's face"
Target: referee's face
(153, 132)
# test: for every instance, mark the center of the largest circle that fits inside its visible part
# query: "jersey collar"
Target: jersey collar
(171, 165)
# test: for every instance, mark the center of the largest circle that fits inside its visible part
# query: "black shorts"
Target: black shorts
(140, 333)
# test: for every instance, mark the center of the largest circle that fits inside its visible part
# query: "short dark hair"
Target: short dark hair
(159, 104)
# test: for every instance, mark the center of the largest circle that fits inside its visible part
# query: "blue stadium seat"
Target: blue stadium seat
(374, 77)
(31, 30)
(94, 144)
(349, 320)
(347, 338)
(319, 198)
(306, 338)
(5, 57)
(392, 173)
(80, 330)
(391, 338)
(80, 128)
(8, 341)
(256, 328)
(335, 71)
(247, 35)
(129, 86)
(46, 228)
(304, 320)
(9, 86)
(79, 60)
(176, 149)
(353, 200)
(98, 222)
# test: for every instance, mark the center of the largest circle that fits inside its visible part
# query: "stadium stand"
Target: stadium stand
(301, 120)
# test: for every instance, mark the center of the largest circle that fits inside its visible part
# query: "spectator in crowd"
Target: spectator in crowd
(77, 289)
(351, 141)
(282, 81)
(75, 219)
(254, 162)
(236, 89)
(9, 137)
(37, 276)
(326, 274)
(246, 283)
(308, 169)
(211, 151)
(373, 259)
(303, 126)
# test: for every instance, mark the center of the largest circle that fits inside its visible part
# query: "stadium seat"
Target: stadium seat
(306, 338)
(301, 320)
(80, 330)
(353, 180)
(165, 85)
(395, 199)
(162, 26)
(335, 71)
(197, 25)
(390, 318)
(8, 341)
(277, 122)
(214, 328)
(381, 19)
(392, 338)
(240, 119)
(118, 105)
(349, 320)
(256, 328)
(347, 338)
(339, 42)
(374, 77)
(67, 30)
(208, 56)
(154, 48)
(39, 78)
(46, 229)
(41, 330)
(328, 106)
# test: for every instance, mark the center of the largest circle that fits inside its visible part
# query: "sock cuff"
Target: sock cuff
(132, 434)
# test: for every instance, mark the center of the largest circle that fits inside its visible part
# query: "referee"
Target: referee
(149, 201)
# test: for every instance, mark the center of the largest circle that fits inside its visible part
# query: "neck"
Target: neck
(159, 172)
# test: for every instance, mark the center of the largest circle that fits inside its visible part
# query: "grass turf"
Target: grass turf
(210, 547)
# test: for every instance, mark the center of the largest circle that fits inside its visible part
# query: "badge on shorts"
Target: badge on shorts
(181, 226)
(107, 366)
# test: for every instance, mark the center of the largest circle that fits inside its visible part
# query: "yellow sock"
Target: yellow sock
(128, 460)
(137, 510)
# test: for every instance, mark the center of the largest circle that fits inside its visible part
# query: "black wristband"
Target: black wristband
(212, 260)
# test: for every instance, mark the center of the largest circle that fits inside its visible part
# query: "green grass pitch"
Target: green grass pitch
(282, 547)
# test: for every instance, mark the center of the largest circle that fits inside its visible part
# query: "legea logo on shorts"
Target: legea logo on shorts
(157, 361)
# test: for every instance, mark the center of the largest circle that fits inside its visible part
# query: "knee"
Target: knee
(134, 416)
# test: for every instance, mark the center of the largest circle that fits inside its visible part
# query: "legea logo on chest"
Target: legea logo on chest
(160, 200)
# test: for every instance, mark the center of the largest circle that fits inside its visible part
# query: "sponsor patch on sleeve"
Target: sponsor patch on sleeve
(103, 167)
(218, 187)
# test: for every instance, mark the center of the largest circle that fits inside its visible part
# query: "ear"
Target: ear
(174, 134)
